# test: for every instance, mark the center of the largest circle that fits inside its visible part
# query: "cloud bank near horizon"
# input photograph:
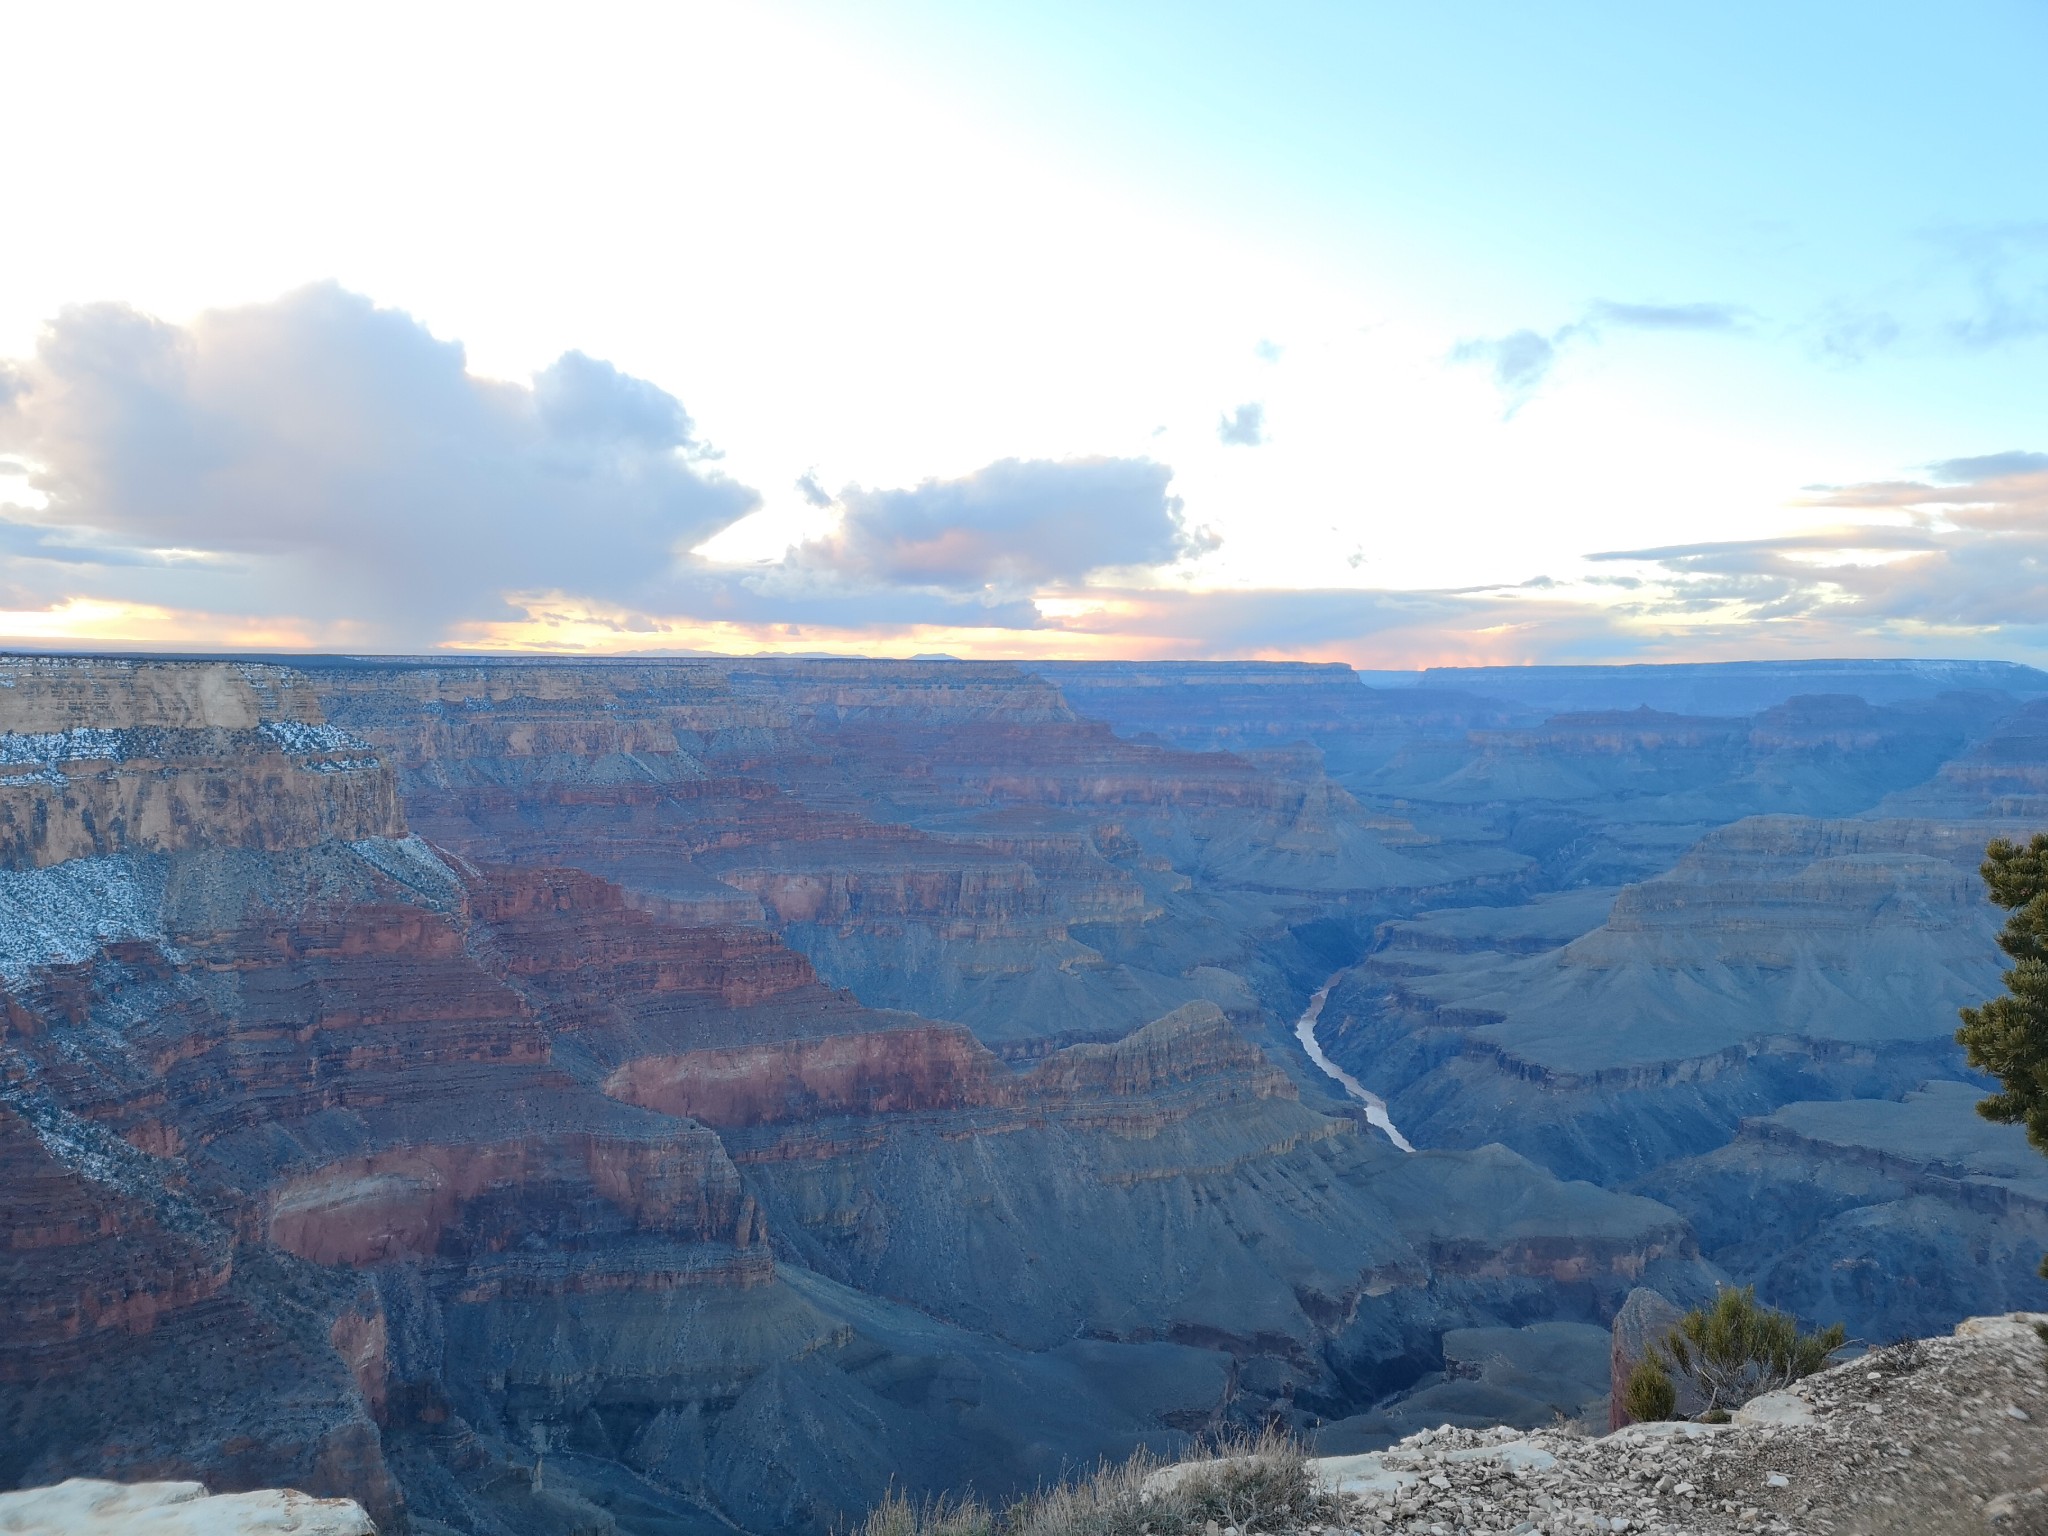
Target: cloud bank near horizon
(1965, 551)
(322, 465)
(323, 457)
(317, 472)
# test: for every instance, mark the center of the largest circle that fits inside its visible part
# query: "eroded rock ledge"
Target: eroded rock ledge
(85, 1506)
(1950, 1435)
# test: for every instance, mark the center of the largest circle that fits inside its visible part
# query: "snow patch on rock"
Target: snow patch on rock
(87, 743)
(412, 862)
(67, 912)
(320, 748)
(297, 737)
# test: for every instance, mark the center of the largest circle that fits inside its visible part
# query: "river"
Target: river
(1375, 1106)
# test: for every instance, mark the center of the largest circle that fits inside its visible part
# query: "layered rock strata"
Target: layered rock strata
(1665, 965)
(526, 1176)
(949, 838)
(1781, 958)
(1880, 1213)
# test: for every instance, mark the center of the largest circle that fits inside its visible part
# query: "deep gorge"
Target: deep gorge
(740, 1084)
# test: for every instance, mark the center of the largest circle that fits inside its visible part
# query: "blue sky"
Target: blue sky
(1862, 183)
(1396, 334)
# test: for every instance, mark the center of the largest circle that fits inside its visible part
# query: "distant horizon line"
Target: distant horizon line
(583, 658)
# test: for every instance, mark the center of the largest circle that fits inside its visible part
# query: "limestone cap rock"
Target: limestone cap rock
(85, 1506)
(2005, 1327)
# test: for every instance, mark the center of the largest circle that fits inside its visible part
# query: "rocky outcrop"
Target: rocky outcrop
(2002, 776)
(1640, 1328)
(1943, 1435)
(231, 754)
(1890, 1215)
(89, 1507)
(85, 1256)
(922, 1069)
(1780, 959)
(945, 838)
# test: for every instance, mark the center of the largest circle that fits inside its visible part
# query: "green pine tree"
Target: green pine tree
(2008, 1036)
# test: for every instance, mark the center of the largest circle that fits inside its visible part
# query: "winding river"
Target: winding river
(1375, 1106)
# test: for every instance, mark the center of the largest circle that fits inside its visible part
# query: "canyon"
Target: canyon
(537, 1095)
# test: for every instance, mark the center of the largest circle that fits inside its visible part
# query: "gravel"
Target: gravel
(1949, 1436)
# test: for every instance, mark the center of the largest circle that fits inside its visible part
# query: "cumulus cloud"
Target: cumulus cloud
(583, 400)
(1521, 360)
(808, 487)
(335, 470)
(347, 464)
(321, 458)
(1008, 527)
(1956, 563)
(1245, 427)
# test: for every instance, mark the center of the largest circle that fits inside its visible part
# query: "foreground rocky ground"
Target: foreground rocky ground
(84, 1506)
(1927, 1437)
(1944, 1435)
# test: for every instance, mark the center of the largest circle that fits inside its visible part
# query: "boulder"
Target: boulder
(1645, 1317)
(85, 1506)
(1785, 1409)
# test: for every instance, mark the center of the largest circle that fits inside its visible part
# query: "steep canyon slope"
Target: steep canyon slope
(542, 1095)
(1748, 911)
(537, 1096)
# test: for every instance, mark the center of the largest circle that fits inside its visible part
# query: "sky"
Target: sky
(1391, 334)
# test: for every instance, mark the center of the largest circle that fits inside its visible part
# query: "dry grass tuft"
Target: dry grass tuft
(1254, 1484)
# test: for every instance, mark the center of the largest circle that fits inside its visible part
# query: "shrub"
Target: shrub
(1651, 1395)
(1255, 1484)
(1738, 1349)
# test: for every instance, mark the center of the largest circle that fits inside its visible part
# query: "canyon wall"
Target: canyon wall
(1740, 888)
(540, 1096)
(543, 1095)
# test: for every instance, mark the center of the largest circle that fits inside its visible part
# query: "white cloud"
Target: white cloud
(323, 457)
(1244, 427)
(1011, 526)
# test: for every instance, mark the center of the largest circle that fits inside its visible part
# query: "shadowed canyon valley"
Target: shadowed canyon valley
(550, 1096)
